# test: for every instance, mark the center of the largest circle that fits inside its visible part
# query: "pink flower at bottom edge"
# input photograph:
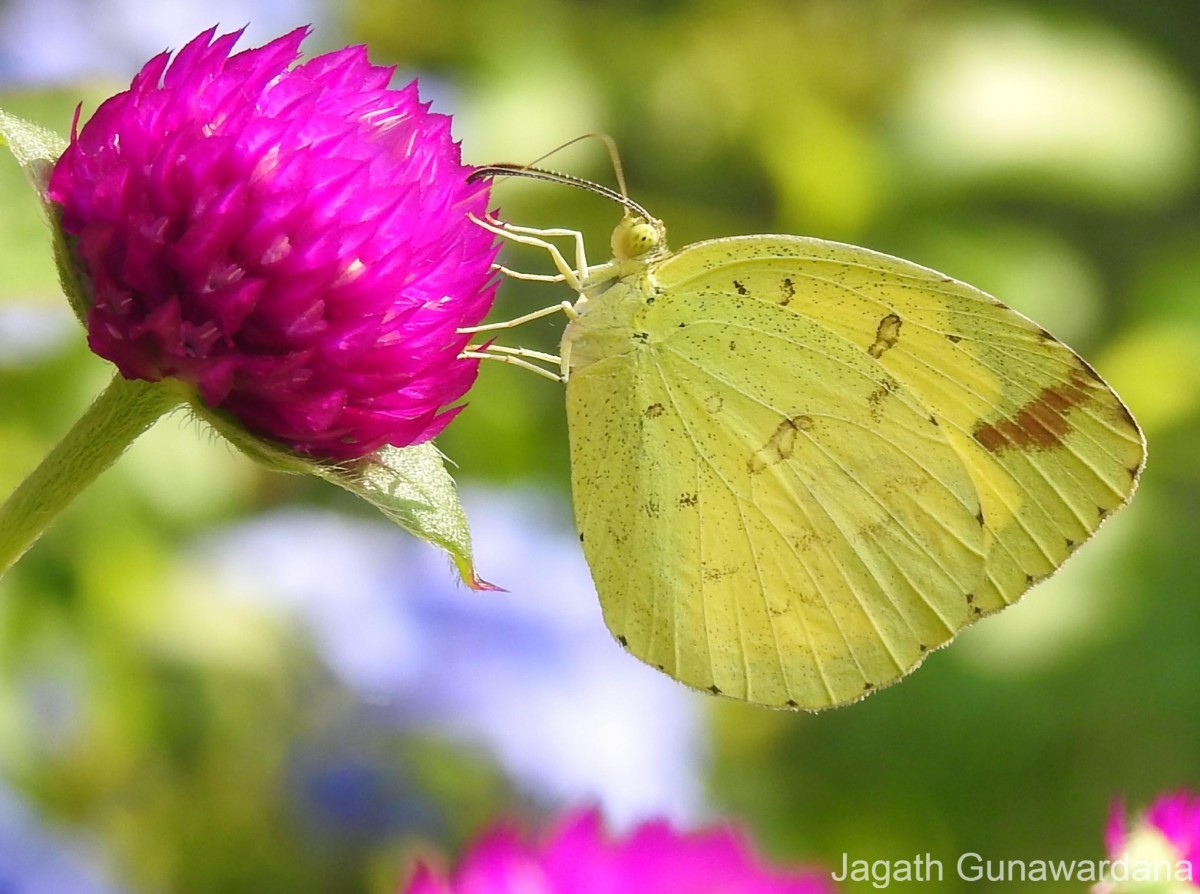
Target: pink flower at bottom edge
(1178, 818)
(293, 241)
(653, 859)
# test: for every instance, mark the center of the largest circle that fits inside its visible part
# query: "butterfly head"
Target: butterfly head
(637, 237)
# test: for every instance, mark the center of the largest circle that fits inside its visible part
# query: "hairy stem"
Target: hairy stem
(124, 410)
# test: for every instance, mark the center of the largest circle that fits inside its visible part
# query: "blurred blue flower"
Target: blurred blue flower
(54, 41)
(37, 860)
(532, 674)
(31, 331)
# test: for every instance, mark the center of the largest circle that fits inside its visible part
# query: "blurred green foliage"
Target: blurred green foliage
(1044, 151)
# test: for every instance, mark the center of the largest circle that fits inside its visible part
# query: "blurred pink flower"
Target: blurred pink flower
(1175, 817)
(292, 241)
(579, 859)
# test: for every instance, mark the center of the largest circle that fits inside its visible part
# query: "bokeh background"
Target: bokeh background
(218, 679)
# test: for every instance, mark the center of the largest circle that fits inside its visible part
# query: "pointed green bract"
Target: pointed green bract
(409, 485)
(36, 149)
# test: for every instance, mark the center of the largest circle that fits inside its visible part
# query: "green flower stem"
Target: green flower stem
(124, 410)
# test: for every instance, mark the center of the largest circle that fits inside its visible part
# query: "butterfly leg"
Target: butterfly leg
(516, 357)
(573, 277)
(539, 240)
(564, 307)
(530, 236)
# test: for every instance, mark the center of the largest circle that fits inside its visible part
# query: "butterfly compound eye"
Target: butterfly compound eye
(634, 237)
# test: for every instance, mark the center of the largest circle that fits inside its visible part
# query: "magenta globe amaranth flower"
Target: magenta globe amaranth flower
(292, 241)
(1159, 852)
(579, 859)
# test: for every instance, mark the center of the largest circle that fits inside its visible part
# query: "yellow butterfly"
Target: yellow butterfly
(800, 466)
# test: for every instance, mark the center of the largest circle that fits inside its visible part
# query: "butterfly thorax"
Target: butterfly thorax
(613, 293)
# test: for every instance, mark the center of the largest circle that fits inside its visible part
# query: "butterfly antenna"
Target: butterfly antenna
(610, 144)
(504, 169)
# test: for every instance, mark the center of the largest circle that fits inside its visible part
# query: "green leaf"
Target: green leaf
(36, 150)
(409, 485)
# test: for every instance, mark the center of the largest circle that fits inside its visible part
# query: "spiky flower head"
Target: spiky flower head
(291, 240)
(654, 859)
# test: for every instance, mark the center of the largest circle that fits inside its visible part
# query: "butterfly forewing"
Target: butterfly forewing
(1050, 447)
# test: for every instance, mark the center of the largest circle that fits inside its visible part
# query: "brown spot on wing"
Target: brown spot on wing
(781, 443)
(710, 573)
(875, 399)
(886, 335)
(1041, 424)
